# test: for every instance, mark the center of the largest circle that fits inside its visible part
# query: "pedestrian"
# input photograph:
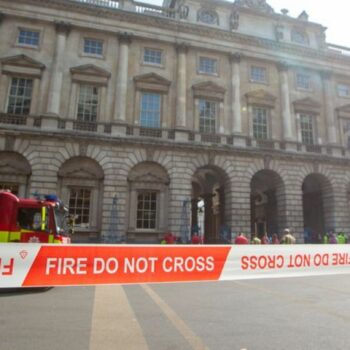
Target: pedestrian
(275, 239)
(241, 239)
(265, 239)
(288, 238)
(341, 238)
(325, 238)
(255, 239)
(333, 239)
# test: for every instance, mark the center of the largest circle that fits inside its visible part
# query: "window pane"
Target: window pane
(343, 90)
(207, 65)
(303, 81)
(307, 129)
(88, 103)
(258, 74)
(152, 56)
(20, 96)
(150, 110)
(93, 46)
(28, 37)
(79, 205)
(207, 116)
(260, 126)
(146, 210)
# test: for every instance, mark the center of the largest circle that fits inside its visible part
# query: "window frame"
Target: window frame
(205, 118)
(97, 106)
(16, 97)
(253, 79)
(347, 88)
(149, 63)
(91, 54)
(313, 124)
(88, 226)
(215, 61)
(267, 117)
(160, 105)
(28, 29)
(155, 211)
(297, 81)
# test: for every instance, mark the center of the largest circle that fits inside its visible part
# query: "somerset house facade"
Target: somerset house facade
(205, 115)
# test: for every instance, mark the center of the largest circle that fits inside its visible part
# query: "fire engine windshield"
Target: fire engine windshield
(61, 219)
(32, 219)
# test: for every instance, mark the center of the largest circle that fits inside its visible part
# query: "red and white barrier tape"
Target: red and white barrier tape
(33, 265)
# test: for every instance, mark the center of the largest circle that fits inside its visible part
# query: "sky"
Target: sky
(331, 14)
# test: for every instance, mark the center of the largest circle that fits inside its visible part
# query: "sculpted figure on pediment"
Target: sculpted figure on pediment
(259, 5)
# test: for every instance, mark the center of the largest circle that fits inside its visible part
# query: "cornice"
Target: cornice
(171, 146)
(190, 28)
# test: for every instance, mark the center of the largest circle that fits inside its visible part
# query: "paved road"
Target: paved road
(282, 314)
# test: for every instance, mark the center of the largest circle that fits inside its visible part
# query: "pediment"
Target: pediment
(90, 69)
(307, 104)
(152, 78)
(209, 86)
(261, 97)
(22, 61)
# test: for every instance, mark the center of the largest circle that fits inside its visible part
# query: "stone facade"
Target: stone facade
(251, 113)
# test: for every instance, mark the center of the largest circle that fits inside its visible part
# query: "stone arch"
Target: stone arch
(318, 205)
(211, 203)
(15, 172)
(80, 185)
(148, 202)
(267, 202)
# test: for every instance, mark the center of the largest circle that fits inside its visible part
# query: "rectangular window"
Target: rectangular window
(28, 37)
(260, 123)
(152, 56)
(307, 129)
(258, 74)
(87, 103)
(343, 90)
(150, 110)
(93, 47)
(20, 96)
(207, 65)
(12, 187)
(146, 210)
(207, 116)
(303, 81)
(79, 206)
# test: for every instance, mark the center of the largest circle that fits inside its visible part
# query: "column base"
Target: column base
(291, 146)
(239, 140)
(49, 121)
(118, 129)
(181, 135)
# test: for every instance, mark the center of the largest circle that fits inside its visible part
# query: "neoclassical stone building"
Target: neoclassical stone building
(201, 113)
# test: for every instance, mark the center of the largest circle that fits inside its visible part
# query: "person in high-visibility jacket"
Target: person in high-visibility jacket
(325, 238)
(341, 238)
(288, 238)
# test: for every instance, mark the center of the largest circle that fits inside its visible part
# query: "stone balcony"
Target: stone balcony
(48, 123)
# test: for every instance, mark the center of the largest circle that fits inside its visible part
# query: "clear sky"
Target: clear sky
(332, 14)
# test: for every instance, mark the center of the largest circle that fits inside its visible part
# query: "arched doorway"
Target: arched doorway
(210, 204)
(317, 206)
(267, 202)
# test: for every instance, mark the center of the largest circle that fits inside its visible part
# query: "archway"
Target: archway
(210, 204)
(317, 206)
(267, 202)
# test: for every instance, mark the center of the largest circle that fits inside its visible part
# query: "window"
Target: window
(79, 206)
(93, 47)
(343, 90)
(152, 56)
(28, 37)
(146, 210)
(299, 37)
(303, 81)
(307, 129)
(207, 116)
(12, 187)
(258, 74)
(20, 96)
(207, 16)
(150, 110)
(207, 65)
(260, 123)
(88, 103)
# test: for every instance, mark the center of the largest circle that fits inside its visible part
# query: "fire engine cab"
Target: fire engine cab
(35, 220)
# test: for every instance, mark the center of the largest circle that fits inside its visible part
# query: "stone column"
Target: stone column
(35, 97)
(181, 86)
(329, 107)
(236, 97)
(285, 103)
(54, 97)
(122, 78)
(103, 103)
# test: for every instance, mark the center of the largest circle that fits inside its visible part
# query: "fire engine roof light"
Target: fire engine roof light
(51, 198)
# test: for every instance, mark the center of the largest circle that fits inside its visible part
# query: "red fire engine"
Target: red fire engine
(37, 220)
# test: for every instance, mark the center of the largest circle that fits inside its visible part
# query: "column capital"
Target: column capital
(63, 27)
(235, 57)
(181, 47)
(124, 38)
(283, 66)
(326, 74)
